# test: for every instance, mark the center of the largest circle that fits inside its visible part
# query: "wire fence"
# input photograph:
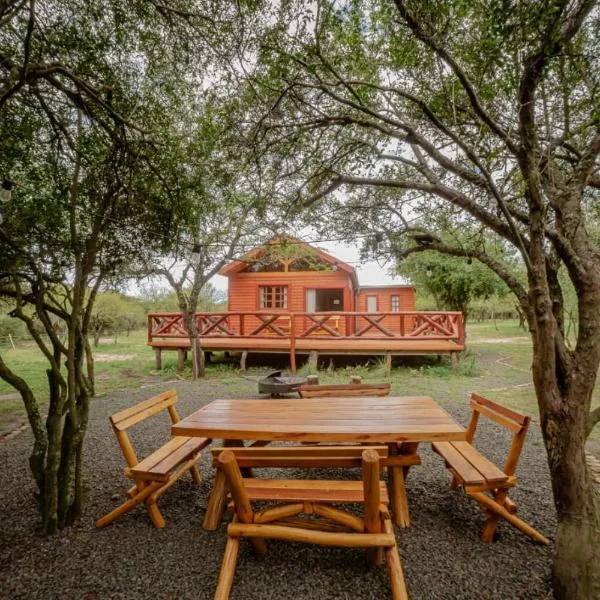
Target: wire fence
(15, 341)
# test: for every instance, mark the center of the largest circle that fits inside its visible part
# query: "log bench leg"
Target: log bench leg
(216, 502)
(196, 475)
(158, 359)
(399, 500)
(129, 505)
(218, 495)
(227, 569)
(499, 510)
(394, 568)
(243, 360)
(155, 516)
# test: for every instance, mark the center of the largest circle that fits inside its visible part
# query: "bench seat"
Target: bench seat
(469, 465)
(162, 463)
(313, 490)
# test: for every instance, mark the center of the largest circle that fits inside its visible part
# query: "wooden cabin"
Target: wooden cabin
(285, 296)
(288, 275)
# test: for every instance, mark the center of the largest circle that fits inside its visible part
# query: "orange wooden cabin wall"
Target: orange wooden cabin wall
(243, 291)
(399, 324)
(384, 298)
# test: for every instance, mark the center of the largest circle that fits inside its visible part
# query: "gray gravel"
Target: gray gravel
(441, 552)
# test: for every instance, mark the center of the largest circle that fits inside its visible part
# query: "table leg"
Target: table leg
(246, 471)
(216, 502)
(407, 448)
(398, 496)
(218, 495)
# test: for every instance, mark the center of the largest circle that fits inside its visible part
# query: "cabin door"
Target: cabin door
(324, 300)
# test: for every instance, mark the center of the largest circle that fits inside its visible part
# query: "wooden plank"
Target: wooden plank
(142, 406)
(467, 472)
(302, 451)
(513, 415)
(309, 490)
(160, 463)
(320, 538)
(497, 417)
(488, 469)
(360, 389)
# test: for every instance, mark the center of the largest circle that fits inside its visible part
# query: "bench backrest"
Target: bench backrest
(317, 457)
(229, 460)
(510, 419)
(125, 419)
(344, 389)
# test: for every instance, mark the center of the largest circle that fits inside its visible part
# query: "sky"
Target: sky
(369, 273)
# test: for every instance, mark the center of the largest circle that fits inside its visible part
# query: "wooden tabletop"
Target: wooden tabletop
(357, 419)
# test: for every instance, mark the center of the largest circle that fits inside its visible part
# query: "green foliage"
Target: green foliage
(161, 300)
(453, 282)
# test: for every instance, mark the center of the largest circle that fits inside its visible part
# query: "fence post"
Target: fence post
(461, 330)
(293, 343)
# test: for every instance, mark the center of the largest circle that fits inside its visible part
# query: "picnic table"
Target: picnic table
(401, 422)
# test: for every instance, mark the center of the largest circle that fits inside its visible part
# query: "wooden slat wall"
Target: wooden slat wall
(384, 304)
(243, 291)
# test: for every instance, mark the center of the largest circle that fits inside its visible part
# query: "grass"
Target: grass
(497, 364)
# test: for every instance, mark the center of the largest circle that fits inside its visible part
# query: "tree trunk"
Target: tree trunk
(564, 422)
(575, 574)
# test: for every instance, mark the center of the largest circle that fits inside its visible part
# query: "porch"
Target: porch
(385, 334)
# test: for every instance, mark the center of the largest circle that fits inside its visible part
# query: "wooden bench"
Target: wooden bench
(482, 479)
(304, 512)
(306, 457)
(156, 473)
(344, 389)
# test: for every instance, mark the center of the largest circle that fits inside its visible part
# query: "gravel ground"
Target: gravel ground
(441, 552)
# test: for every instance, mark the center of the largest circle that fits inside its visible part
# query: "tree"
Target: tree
(454, 282)
(229, 211)
(113, 312)
(485, 114)
(96, 192)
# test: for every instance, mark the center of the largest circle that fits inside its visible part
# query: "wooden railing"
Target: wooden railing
(409, 325)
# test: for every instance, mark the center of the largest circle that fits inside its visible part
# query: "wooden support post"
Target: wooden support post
(370, 474)
(180, 359)
(293, 345)
(243, 360)
(407, 449)
(243, 510)
(227, 569)
(313, 360)
(494, 507)
(398, 492)
(157, 357)
(394, 568)
(388, 362)
(216, 502)
(454, 360)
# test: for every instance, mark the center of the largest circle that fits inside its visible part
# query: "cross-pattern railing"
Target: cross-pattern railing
(408, 325)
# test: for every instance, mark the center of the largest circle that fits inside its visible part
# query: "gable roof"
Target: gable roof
(236, 266)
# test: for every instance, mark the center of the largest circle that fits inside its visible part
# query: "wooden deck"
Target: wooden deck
(334, 333)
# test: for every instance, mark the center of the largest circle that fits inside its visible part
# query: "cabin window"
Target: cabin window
(371, 304)
(273, 296)
(395, 303)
